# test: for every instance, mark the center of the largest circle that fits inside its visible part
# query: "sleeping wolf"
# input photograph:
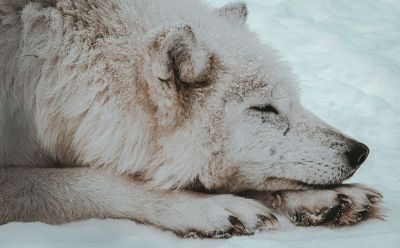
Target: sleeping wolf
(164, 112)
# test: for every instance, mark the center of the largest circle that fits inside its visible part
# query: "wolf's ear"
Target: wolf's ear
(235, 12)
(174, 63)
(175, 54)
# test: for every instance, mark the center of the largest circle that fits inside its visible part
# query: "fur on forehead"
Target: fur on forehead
(234, 43)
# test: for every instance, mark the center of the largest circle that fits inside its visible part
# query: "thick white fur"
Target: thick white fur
(159, 91)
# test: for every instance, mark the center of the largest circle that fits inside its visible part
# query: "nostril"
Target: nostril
(358, 154)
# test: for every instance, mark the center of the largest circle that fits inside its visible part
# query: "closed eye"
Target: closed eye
(265, 109)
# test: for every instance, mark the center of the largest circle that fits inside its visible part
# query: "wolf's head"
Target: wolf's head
(231, 116)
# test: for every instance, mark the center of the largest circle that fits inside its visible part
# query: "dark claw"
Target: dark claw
(374, 198)
(273, 217)
(237, 226)
(263, 218)
(299, 217)
(344, 199)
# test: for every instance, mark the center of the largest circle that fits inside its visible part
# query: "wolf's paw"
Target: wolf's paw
(224, 216)
(343, 206)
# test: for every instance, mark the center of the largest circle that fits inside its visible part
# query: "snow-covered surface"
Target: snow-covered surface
(347, 56)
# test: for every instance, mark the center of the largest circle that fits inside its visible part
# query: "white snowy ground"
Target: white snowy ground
(347, 55)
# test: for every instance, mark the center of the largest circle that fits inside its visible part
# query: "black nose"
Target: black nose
(358, 154)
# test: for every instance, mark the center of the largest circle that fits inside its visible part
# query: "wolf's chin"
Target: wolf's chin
(270, 184)
(276, 184)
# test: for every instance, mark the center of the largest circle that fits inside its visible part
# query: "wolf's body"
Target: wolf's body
(121, 109)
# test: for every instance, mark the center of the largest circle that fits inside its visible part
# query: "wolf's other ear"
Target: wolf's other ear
(174, 62)
(235, 12)
(174, 52)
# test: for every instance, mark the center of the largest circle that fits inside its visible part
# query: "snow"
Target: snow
(347, 57)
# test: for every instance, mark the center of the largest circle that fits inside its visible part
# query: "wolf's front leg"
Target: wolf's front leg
(344, 205)
(70, 194)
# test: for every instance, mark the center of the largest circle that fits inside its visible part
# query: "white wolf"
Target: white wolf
(157, 111)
